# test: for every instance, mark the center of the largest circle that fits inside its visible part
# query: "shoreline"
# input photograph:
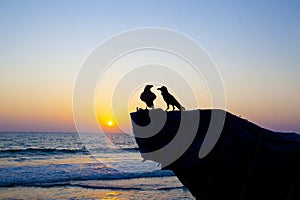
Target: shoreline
(136, 188)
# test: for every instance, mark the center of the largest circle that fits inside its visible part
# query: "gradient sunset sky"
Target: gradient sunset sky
(255, 44)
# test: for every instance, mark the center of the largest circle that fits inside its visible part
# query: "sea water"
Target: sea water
(72, 166)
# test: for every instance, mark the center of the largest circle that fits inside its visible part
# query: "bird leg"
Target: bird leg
(167, 107)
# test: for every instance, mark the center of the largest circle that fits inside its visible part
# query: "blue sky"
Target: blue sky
(255, 45)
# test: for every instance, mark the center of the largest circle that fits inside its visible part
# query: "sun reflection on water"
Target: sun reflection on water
(113, 195)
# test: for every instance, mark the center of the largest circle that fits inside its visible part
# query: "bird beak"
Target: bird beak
(158, 88)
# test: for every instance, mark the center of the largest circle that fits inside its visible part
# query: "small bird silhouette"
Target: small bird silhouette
(169, 99)
(148, 97)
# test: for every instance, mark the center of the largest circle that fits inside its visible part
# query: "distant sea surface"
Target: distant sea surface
(69, 166)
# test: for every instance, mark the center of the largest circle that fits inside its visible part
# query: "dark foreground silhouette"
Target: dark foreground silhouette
(148, 96)
(170, 99)
(248, 162)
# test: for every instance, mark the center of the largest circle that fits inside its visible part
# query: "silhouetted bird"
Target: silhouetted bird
(148, 97)
(169, 99)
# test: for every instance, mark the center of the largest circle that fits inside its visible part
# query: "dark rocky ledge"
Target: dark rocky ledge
(247, 162)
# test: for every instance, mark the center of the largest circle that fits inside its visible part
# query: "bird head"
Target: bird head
(148, 87)
(162, 89)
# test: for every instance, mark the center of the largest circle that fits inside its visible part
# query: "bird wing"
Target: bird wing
(148, 96)
(172, 99)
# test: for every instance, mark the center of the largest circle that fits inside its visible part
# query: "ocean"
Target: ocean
(87, 166)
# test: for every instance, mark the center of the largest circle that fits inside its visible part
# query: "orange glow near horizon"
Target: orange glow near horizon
(107, 123)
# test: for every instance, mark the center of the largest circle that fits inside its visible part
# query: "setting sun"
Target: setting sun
(109, 123)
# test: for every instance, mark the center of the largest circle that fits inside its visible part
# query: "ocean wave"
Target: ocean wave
(37, 152)
(83, 184)
(56, 173)
(134, 149)
(41, 150)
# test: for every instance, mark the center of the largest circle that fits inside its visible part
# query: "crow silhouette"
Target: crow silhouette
(169, 99)
(148, 97)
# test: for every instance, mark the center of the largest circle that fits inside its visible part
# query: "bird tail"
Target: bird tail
(182, 108)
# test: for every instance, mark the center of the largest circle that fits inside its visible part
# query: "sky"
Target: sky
(255, 46)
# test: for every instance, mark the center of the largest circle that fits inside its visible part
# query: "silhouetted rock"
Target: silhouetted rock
(247, 162)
